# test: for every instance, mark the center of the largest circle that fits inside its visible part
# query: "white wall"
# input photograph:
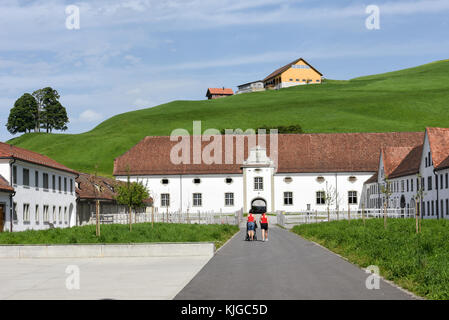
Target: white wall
(33, 196)
(4, 200)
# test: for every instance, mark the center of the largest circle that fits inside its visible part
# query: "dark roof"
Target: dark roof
(392, 158)
(13, 152)
(333, 152)
(90, 187)
(286, 67)
(4, 185)
(240, 85)
(372, 179)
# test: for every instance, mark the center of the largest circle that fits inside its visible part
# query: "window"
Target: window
(71, 186)
(229, 199)
(197, 200)
(65, 184)
(429, 183)
(59, 184)
(320, 197)
(66, 220)
(26, 213)
(352, 197)
(45, 181)
(197, 181)
(258, 183)
(447, 181)
(54, 214)
(228, 180)
(26, 177)
(165, 200)
(45, 214)
(291, 80)
(36, 179)
(14, 175)
(426, 163)
(36, 214)
(429, 159)
(428, 208)
(164, 181)
(402, 185)
(433, 208)
(14, 212)
(288, 198)
(441, 182)
(411, 185)
(60, 215)
(297, 80)
(53, 181)
(447, 206)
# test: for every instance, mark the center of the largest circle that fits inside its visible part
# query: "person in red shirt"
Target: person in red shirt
(251, 226)
(264, 226)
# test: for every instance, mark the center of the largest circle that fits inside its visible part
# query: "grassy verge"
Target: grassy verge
(418, 263)
(116, 233)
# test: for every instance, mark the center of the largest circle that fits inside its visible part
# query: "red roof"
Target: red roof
(392, 158)
(219, 91)
(409, 164)
(439, 146)
(334, 152)
(13, 152)
(4, 185)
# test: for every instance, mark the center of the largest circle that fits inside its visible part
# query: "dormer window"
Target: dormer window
(288, 179)
(320, 179)
(164, 181)
(228, 180)
(197, 181)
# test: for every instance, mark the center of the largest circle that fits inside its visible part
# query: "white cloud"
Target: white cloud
(90, 116)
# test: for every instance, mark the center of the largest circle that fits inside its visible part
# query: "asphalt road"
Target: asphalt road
(285, 267)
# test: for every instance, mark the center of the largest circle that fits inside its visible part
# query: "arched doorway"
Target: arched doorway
(258, 205)
(71, 224)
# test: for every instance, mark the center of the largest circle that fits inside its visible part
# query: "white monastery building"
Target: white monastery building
(417, 176)
(35, 191)
(292, 176)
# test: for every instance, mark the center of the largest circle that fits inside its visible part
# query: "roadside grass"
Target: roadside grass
(116, 233)
(416, 262)
(405, 100)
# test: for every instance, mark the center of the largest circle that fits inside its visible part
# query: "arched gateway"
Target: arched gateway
(258, 205)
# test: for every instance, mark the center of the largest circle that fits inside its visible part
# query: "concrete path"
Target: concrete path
(285, 267)
(100, 278)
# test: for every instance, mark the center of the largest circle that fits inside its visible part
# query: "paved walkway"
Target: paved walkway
(285, 267)
(102, 278)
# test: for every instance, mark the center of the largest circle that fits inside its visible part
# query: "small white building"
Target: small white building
(251, 87)
(40, 191)
(292, 176)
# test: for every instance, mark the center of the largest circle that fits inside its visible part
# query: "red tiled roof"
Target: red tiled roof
(409, 164)
(334, 152)
(4, 185)
(439, 146)
(392, 158)
(222, 91)
(9, 151)
(286, 67)
(372, 179)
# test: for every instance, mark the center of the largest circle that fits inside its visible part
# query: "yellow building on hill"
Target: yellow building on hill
(298, 72)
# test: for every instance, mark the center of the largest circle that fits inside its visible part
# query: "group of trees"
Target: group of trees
(36, 111)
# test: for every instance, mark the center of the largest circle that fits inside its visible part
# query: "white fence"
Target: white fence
(172, 217)
(288, 220)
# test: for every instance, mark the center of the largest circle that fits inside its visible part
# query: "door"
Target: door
(2, 217)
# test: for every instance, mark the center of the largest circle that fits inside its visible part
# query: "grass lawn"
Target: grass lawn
(418, 263)
(116, 233)
(405, 100)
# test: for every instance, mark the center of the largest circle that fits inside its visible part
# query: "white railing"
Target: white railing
(289, 219)
(207, 217)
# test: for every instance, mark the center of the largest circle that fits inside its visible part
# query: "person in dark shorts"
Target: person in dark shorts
(251, 226)
(264, 226)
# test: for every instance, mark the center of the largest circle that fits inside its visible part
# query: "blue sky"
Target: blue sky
(133, 54)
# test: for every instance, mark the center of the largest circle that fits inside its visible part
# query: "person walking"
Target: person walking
(251, 226)
(264, 226)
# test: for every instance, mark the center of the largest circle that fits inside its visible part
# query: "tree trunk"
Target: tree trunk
(349, 214)
(363, 213)
(416, 216)
(97, 216)
(328, 215)
(152, 217)
(385, 215)
(130, 220)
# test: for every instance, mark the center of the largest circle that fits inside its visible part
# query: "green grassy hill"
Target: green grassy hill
(405, 100)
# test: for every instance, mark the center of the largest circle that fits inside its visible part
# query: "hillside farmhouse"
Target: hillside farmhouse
(410, 169)
(35, 191)
(215, 93)
(295, 73)
(307, 165)
(298, 72)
